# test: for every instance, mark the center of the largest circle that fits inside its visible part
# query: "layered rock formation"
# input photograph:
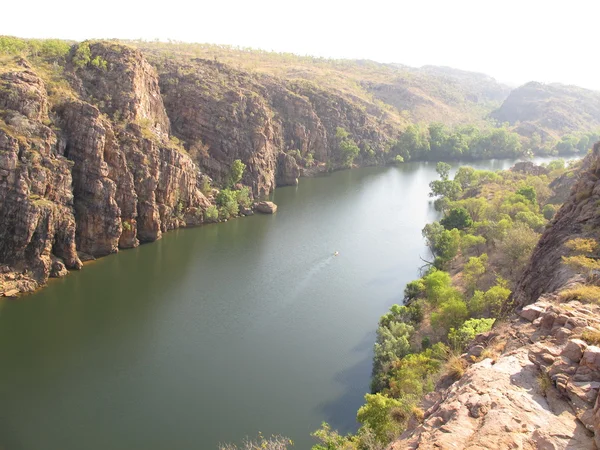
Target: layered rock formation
(578, 217)
(36, 199)
(105, 176)
(107, 148)
(530, 386)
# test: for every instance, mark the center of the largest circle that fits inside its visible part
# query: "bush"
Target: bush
(377, 412)
(455, 367)
(458, 218)
(243, 197)
(459, 338)
(548, 211)
(211, 214)
(491, 302)
(236, 172)
(529, 193)
(516, 247)
(451, 314)
(585, 293)
(592, 337)
(82, 56)
(473, 270)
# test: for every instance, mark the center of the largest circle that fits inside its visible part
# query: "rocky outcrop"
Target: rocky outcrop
(533, 384)
(105, 176)
(36, 218)
(287, 170)
(578, 217)
(266, 207)
(529, 168)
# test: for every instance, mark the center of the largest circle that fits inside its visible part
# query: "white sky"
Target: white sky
(514, 41)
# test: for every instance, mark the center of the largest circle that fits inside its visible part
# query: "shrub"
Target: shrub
(473, 270)
(455, 367)
(544, 383)
(592, 337)
(82, 56)
(585, 293)
(205, 186)
(548, 211)
(211, 214)
(458, 218)
(491, 302)
(376, 413)
(581, 245)
(243, 197)
(451, 314)
(459, 338)
(236, 172)
(529, 193)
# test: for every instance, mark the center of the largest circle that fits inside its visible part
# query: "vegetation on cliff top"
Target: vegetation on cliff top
(431, 113)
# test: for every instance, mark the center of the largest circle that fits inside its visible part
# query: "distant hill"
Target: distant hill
(441, 94)
(552, 110)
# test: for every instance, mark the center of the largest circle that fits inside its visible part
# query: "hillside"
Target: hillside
(427, 94)
(551, 110)
(532, 381)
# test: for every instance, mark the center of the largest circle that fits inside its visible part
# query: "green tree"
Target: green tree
(82, 56)
(443, 170)
(451, 314)
(236, 172)
(347, 148)
(515, 249)
(529, 193)
(458, 218)
(473, 270)
(376, 413)
(491, 302)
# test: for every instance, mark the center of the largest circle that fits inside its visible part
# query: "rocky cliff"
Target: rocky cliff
(579, 217)
(92, 172)
(533, 381)
(106, 147)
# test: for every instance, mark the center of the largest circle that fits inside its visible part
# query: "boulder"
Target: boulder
(574, 350)
(58, 268)
(266, 207)
(531, 312)
(591, 358)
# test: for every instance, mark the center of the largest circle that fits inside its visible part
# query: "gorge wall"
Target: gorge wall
(110, 148)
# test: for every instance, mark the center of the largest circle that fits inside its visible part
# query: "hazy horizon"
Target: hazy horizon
(513, 43)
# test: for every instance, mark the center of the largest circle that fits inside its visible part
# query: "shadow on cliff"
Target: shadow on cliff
(341, 412)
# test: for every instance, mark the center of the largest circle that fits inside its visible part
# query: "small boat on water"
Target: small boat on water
(336, 253)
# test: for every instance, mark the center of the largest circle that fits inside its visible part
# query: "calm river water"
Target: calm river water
(219, 332)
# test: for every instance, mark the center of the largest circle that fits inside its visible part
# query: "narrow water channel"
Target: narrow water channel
(219, 332)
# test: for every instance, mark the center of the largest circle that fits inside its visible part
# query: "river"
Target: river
(219, 332)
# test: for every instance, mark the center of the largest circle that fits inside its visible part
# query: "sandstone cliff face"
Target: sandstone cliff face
(223, 114)
(119, 158)
(105, 176)
(36, 217)
(578, 217)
